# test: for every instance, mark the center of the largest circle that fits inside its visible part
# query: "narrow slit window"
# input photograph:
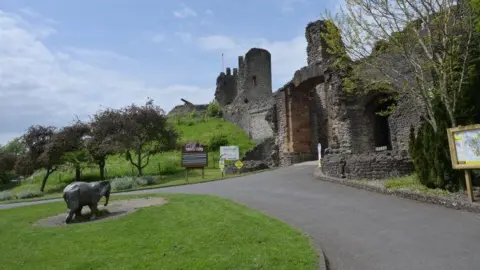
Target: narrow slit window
(254, 78)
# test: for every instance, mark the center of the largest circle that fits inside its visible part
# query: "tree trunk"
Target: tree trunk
(139, 163)
(78, 173)
(101, 166)
(45, 178)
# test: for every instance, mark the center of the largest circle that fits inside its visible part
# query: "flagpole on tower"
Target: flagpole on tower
(223, 68)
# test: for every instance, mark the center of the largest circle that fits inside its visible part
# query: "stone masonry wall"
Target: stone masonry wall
(226, 87)
(366, 166)
(316, 48)
(259, 127)
(246, 96)
(400, 122)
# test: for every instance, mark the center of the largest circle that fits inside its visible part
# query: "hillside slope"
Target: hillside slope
(190, 129)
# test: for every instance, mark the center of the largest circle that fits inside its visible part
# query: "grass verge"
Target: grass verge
(412, 183)
(189, 232)
(178, 179)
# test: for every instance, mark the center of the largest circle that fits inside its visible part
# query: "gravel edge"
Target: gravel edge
(426, 198)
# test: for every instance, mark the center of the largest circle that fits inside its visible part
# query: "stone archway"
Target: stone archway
(300, 113)
(377, 112)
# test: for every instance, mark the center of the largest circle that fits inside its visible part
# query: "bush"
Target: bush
(218, 140)
(213, 110)
(28, 194)
(141, 182)
(5, 196)
(150, 179)
(123, 183)
(431, 155)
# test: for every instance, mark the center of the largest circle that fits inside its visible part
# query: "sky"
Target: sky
(64, 59)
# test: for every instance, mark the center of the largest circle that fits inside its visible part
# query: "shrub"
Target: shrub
(140, 181)
(213, 110)
(150, 179)
(192, 114)
(431, 156)
(123, 183)
(28, 194)
(218, 140)
(5, 196)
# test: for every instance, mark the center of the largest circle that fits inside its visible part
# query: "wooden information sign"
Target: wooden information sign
(194, 156)
(464, 144)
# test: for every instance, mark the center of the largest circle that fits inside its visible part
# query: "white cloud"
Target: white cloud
(287, 55)
(184, 12)
(158, 38)
(209, 12)
(41, 85)
(36, 16)
(288, 6)
(186, 37)
(218, 42)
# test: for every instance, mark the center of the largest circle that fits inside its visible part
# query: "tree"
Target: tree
(7, 165)
(422, 47)
(71, 141)
(102, 141)
(144, 132)
(15, 147)
(43, 151)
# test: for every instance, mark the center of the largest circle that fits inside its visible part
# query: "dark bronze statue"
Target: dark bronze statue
(79, 194)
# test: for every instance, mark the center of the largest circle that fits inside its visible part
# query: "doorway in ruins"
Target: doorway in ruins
(379, 110)
(305, 114)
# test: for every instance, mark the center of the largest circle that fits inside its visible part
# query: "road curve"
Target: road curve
(356, 229)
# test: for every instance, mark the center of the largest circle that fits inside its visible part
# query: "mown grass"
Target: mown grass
(166, 165)
(412, 183)
(189, 232)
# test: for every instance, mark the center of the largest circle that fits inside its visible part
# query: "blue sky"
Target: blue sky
(60, 59)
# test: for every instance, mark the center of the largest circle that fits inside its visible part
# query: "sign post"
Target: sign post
(194, 156)
(319, 148)
(464, 144)
(239, 165)
(221, 165)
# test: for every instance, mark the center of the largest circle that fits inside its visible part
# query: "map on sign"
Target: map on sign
(467, 146)
(239, 164)
(229, 152)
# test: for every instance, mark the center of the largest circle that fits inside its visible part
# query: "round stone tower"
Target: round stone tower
(255, 75)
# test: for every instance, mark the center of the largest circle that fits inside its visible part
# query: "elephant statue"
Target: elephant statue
(79, 194)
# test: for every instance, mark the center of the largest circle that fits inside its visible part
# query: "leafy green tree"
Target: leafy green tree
(7, 165)
(422, 47)
(103, 141)
(72, 140)
(213, 109)
(43, 151)
(144, 132)
(15, 147)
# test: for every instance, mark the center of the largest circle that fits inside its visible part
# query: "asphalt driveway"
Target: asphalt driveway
(356, 229)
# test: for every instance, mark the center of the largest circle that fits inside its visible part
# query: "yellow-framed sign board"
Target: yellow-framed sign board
(464, 144)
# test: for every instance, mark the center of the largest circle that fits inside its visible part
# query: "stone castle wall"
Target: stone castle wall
(246, 95)
(313, 108)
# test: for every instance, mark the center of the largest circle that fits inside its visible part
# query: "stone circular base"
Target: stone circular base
(112, 210)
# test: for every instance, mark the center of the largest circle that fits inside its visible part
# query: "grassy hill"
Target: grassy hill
(166, 164)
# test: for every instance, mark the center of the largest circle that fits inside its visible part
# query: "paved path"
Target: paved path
(357, 229)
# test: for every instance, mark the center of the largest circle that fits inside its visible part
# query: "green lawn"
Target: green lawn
(189, 232)
(166, 166)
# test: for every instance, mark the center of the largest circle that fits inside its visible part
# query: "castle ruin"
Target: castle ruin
(313, 108)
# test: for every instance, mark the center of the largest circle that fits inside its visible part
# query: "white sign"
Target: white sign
(229, 152)
(319, 155)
